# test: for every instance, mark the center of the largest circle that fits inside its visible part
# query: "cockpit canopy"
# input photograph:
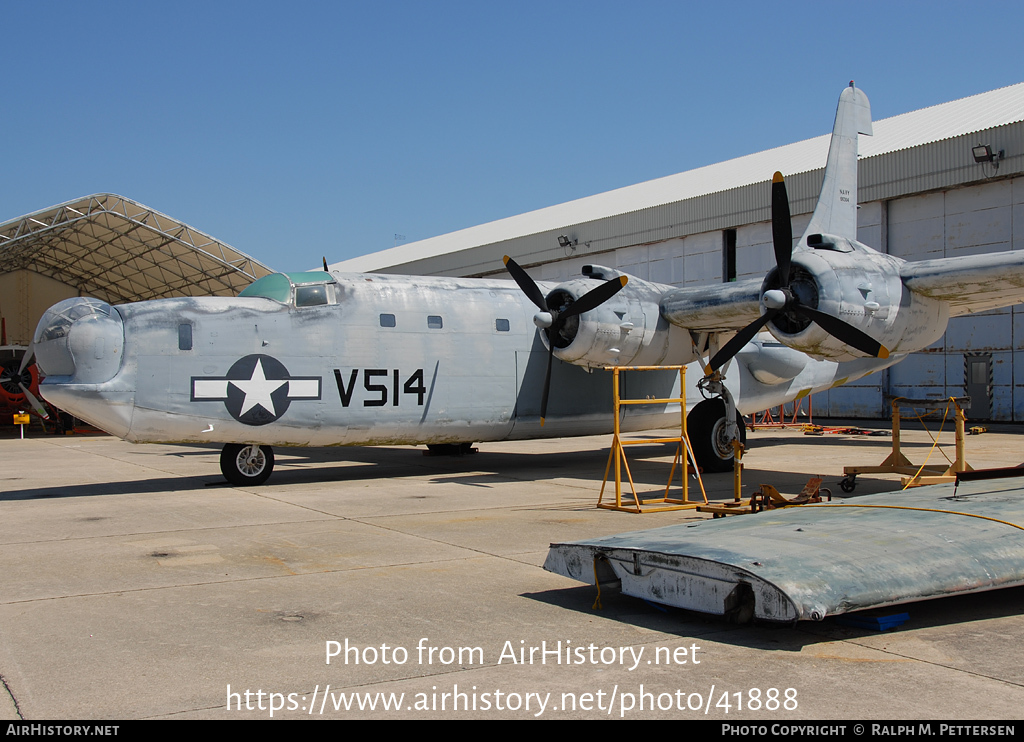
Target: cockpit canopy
(310, 289)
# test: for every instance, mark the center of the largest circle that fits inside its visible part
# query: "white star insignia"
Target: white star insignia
(258, 389)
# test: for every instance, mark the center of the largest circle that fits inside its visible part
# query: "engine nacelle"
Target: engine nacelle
(860, 286)
(626, 330)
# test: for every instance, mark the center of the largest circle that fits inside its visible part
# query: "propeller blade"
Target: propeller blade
(326, 269)
(522, 278)
(547, 386)
(849, 334)
(27, 358)
(36, 405)
(590, 300)
(595, 297)
(782, 228)
(738, 340)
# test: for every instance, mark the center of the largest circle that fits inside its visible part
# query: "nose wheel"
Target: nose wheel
(246, 464)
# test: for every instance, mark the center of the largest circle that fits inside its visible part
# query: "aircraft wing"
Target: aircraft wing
(814, 561)
(718, 307)
(973, 283)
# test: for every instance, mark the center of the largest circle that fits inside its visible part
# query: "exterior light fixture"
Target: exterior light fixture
(983, 153)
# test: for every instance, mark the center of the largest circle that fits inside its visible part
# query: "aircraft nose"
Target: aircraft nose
(80, 340)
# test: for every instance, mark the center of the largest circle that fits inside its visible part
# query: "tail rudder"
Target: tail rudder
(836, 212)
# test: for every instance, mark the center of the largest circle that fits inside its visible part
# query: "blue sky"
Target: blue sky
(296, 130)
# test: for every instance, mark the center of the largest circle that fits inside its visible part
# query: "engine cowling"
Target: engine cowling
(626, 330)
(13, 379)
(862, 288)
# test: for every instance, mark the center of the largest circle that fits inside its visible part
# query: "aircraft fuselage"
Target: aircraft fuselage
(386, 360)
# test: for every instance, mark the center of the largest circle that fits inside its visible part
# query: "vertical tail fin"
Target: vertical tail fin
(836, 212)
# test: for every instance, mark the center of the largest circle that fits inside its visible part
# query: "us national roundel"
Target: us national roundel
(256, 390)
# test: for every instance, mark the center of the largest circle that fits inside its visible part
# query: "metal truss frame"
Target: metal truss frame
(119, 250)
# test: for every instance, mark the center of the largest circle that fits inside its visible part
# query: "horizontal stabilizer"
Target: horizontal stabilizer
(973, 283)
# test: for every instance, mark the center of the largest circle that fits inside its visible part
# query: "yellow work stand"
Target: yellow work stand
(683, 455)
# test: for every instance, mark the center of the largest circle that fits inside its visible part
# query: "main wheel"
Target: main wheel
(706, 428)
(450, 449)
(246, 464)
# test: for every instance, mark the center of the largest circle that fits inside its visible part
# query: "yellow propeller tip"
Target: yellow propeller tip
(883, 352)
(777, 178)
(505, 259)
(542, 422)
(623, 280)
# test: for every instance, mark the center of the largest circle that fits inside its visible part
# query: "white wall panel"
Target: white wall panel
(917, 227)
(978, 232)
(869, 225)
(979, 197)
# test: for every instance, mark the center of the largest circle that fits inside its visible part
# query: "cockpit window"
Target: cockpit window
(299, 289)
(276, 286)
(310, 296)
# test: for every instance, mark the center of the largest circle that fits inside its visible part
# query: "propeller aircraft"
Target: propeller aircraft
(332, 359)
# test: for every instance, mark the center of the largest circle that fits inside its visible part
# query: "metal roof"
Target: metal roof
(936, 123)
(118, 250)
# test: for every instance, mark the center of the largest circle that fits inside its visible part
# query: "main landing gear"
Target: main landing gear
(246, 464)
(714, 425)
(711, 437)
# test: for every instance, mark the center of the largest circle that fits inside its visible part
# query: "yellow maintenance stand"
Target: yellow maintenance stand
(682, 459)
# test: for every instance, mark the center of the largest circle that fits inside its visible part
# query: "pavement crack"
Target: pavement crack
(10, 694)
(954, 668)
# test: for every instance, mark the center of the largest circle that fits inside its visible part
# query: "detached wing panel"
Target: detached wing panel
(974, 283)
(720, 307)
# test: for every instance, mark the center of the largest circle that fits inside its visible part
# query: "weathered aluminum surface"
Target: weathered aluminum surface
(813, 561)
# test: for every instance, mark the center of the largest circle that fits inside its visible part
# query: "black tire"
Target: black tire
(705, 426)
(450, 449)
(242, 468)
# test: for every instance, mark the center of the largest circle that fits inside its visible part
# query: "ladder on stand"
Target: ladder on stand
(682, 459)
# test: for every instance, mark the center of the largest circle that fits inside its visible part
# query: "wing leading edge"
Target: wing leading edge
(972, 283)
(718, 307)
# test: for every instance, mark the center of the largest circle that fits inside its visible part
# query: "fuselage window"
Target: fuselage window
(185, 337)
(434, 322)
(501, 325)
(387, 320)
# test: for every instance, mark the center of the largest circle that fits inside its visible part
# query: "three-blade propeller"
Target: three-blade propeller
(9, 379)
(784, 299)
(554, 320)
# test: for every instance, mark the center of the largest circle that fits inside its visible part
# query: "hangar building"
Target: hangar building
(921, 192)
(922, 195)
